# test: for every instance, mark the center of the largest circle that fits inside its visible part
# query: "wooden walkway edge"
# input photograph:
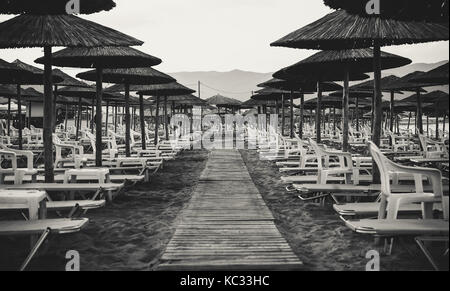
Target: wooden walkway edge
(227, 225)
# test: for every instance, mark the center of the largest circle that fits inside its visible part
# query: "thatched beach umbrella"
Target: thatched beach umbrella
(222, 101)
(53, 6)
(301, 87)
(34, 76)
(405, 84)
(56, 30)
(342, 30)
(172, 89)
(102, 58)
(128, 77)
(417, 10)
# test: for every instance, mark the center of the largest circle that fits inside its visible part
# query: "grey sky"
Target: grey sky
(221, 35)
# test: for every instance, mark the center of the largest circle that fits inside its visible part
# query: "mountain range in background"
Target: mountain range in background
(240, 84)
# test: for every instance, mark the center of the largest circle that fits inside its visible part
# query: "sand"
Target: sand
(129, 234)
(317, 235)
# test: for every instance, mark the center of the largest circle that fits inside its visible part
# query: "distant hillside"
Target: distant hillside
(239, 84)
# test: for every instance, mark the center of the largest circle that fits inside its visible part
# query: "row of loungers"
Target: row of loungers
(410, 200)
(79, 185)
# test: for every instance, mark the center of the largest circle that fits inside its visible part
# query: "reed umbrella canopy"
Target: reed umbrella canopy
(68, 80)
(56, 30)
(222, 101)
(417, 10)
(53, 6)
(298, 85)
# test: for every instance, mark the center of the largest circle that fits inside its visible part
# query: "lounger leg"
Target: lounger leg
(35, 248)
(427, 254)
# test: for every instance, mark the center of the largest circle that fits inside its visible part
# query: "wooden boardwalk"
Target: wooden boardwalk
(227, 225)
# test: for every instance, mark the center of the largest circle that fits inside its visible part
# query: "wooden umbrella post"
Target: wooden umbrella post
(345, 109)
(157, 121)
(142, 120)
(48, 117)
(378, 110)
(392, 111)
(66, 117)
(116, 118)
(419, 112)
(99, 119)
(127, 121)
(107, 118)
(292, 114)
(29, 115)
(318, 112)
(166, 120)
(80, 109)
(9, 117)
(302, 115)
(283, 112)
(357, 114)
(19, 115)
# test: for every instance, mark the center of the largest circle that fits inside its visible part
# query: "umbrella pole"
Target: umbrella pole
(428, 126)
(378, 110)
(80, 109)
(437, 125)
(283, 118)
(127, 121)
(345, 109)
(66, 117)
(29, 115)
(357, 114)
(142, 120)
(156, 121)
(292, 114)
(166, 121)
(19, 114)
(334, 120)
(55, 96)
(392, 113)
(302, 115)
(116, 119)
(318, 113)
(9, 116)
(419, 112)
(48, 117)
(99, 119)
(444, 125)
(107, 118)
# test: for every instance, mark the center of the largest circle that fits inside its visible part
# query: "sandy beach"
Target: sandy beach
(316, 234)
(129, 234)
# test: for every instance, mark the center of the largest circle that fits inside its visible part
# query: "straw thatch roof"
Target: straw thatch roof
(353, 94)
(169, 89)
(7, 91)
(10, 91)
(89, 92)
(181, 98)
(36, 77)
(222, 101)
(131, 76)
(59, 30)
(68, 80)
(255, 102)
(342, 30)
(53, 6)
(10, 72)
(431, 97)
(331, 65)
(405, 83)
(102, 57)
(369, 85)
(305, 87)
(417, 10)
(437, 76)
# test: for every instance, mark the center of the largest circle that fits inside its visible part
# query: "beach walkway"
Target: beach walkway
(227, 225)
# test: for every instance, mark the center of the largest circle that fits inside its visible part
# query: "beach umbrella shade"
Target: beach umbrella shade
(327, 65)
(56, 30)
(53, 6)
(29, 75)
(438, 76)
(172, 90)
(405, 84)
(222, 101)
(342, 30)
(303, 87)
(417, 10)
(102, 58)
(127, 77)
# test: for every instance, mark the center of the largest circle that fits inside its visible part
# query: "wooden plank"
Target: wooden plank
(227, 225)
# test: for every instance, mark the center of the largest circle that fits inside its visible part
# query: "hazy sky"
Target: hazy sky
(221, 35)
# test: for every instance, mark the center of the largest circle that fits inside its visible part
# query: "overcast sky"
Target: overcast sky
(221, 35)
